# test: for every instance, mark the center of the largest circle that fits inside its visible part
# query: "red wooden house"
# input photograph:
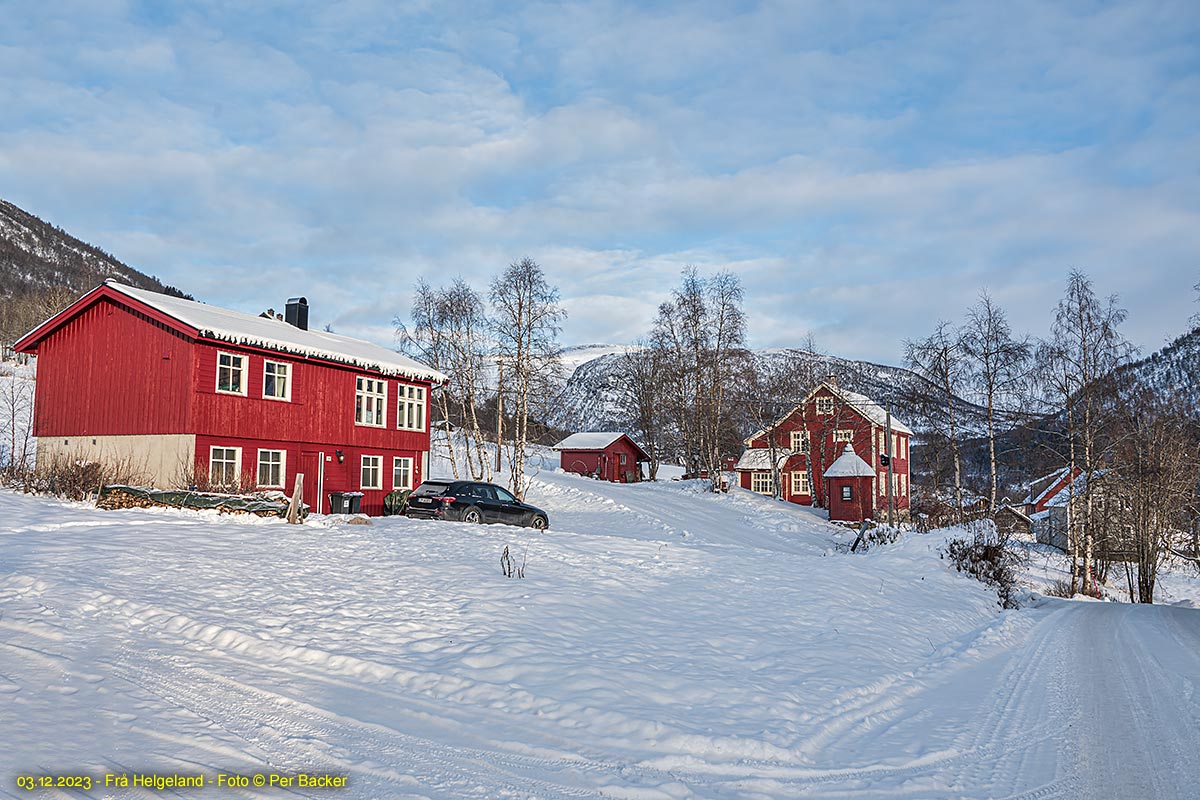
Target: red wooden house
(607, 456)
(191, 394)
(809, 438)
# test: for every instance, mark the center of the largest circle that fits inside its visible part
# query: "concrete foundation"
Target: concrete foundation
(163, 461)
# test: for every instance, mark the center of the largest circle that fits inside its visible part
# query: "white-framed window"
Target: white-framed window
(799, 441)
(896, 445)
(882, 443)
(847, 492)
(903, 485)
(883, 483)
(824, 405)
(410, 408)
(370, 401)
(800, 483)
(231, 373)
(277, 380)
(271, 468)
(372, 473)
(843, 435)
(225, 467)
(402, 473)
(762, 483)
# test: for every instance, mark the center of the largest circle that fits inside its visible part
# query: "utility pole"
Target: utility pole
(890, 478)
(499, 410)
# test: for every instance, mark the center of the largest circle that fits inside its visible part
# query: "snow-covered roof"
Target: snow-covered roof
(849, 465)
(875, 413)
(272, 334)
(1013, 510)
(758, 458)
(597, 440)
(1074, 489)
(1053, 478)
(870, 409)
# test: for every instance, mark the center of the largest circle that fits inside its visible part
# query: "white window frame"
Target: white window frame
(370, 394)
(847, 493)
(758, 486)
(825, 406)
(843, 435)
(410, 407)
(258, 481)
(378, 469)
(397, 463)
(237, 467)
(287, 380)
(799, 441)
(800, 483)
(242, 368)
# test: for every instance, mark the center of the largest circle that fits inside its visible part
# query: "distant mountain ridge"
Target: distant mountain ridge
(597, 397)
(36, 255)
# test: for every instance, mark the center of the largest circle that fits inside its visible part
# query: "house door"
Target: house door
(310, 465)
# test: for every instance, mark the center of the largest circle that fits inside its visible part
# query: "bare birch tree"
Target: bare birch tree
(701, 334)
(644, 372)
(1151, 493)
(428, 342)
(1077, 364)
(526, 321)
(939, 359)
(998, 365)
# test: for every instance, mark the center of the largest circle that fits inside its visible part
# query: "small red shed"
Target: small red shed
(850, 480)
(606, 456)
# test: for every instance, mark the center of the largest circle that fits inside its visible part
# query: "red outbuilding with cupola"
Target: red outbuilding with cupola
(802, 446)
(188, 394)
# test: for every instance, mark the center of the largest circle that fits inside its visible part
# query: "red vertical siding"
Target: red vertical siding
(821, 430)
(344, 476)
(321, 408)
(112, 371)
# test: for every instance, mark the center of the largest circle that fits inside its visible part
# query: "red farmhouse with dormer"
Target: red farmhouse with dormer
(819, 428)
(189, 394)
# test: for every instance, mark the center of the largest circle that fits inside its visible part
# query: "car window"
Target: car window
(504, 496)
(486, 492)
(429, 489)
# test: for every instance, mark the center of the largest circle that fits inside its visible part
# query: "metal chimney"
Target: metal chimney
(296, 312)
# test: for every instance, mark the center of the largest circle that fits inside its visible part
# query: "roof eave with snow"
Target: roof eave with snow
(247, 330)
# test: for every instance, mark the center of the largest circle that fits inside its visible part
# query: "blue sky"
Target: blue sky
(866, 168)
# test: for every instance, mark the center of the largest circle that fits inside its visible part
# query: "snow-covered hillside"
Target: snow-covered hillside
(665, 643)
(35, 255)
(597, 397)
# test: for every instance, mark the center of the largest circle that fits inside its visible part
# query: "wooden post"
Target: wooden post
(890, 478)
(293, 512)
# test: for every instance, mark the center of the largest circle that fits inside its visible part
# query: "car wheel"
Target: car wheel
(538, 523)
(472, 516)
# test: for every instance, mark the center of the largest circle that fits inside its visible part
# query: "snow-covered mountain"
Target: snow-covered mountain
(597, 396)
(1173, 371)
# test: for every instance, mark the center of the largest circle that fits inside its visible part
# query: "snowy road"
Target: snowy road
(1095, 700)
(665, 644)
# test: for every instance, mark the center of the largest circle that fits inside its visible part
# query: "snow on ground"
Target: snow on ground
(1044, 567)
(665, 643)
(16, 412)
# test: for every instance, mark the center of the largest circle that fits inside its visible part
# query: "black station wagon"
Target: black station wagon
(472, 501)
